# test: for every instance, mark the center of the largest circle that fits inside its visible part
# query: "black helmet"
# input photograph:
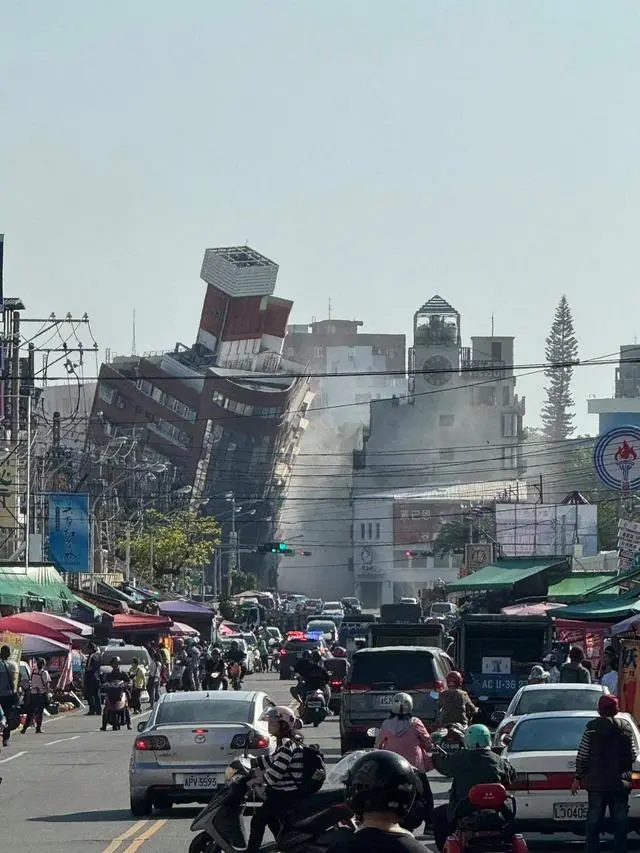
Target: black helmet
(306, 655)
(381, 781)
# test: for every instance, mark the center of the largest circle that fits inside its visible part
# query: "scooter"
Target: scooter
(312, 826)
(450, 738)
(314, 708)
(484, 821)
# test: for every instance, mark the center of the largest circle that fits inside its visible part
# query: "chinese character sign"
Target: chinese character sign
(69, 538)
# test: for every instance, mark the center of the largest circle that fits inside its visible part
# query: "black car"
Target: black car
(292, 649)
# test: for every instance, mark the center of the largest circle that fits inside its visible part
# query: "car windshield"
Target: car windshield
(204, 711)
(321, 626)
(332, 605)
(548, 734)
(126, 656)
(539, 701)
(404, 670)
(299, 645)
(445, 607)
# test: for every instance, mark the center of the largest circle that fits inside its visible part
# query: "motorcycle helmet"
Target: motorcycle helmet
(477, 737)
(339, 652)
(115, 661)
(280, 714)
(402, 705)
(454, 679)
(316, 657)
(381, 781)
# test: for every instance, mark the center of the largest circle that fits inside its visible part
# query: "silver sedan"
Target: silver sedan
(182, 751)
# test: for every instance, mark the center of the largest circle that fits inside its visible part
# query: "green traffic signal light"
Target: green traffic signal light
(282, 546)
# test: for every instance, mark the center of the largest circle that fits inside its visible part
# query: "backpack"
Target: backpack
(314, 771)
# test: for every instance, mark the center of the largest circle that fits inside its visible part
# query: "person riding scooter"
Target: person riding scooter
(214, 671)
(283, 775)
(474, 765)
(234, 654)
(381, 788)
(313, 676)
(455, 703)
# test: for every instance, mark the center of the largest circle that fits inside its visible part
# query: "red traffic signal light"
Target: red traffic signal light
(409, 554)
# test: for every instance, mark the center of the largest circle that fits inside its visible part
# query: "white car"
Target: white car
(539, 698)
(542, 749)
(242, 643)
(333, 610)
(326, 627)
(182, 751)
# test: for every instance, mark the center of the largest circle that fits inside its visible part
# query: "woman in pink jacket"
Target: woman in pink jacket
(405, 734)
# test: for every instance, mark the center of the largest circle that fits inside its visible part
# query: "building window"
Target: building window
(509, 425)
(496, 350)
(318, 352)
(377, 529)
(506, 395)
(510, 457)
(485, 395)
(145, 387)
(370, 530)
(362, 531)
(107, 394)
(447, 454)
(447, 420)
(219, 399)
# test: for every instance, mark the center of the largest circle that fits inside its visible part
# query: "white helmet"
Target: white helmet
(401, 705)
(280, 714)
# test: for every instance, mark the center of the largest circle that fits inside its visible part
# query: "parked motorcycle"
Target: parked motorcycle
(312, 826)
(314, 708)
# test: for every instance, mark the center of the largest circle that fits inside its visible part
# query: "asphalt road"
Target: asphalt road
(67, 789)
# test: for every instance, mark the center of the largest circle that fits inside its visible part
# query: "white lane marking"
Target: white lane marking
(13, 757)
(62, 740)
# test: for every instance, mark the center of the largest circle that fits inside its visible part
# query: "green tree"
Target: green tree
(561, 347)
(172, 543)
(452, 536)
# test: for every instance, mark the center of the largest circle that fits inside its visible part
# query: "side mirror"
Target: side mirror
(498, 716)
(141, 726)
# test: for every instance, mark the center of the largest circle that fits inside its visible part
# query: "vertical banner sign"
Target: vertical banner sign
(628, 675)
(69, 534)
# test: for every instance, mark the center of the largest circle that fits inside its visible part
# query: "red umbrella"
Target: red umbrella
(57, 623)
(18, 625)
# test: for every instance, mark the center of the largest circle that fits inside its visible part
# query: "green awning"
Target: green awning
(38, 584)
(578, 585)
(608, 608)
(503, 574)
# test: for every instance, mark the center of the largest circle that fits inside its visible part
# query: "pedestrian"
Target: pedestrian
(538, 675)
(554, 673)
(604, 768)
(38, 696)
(574, 671)
(115, 698)
(91, 681)
(609, 674)
(8, 692)
(178, 670)
(153, 679)
(138, 676)
(263, 651)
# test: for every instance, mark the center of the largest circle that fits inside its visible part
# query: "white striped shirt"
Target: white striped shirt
(283, 771)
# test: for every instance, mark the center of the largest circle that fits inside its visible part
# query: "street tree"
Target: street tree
(173, 543)
(561, 348)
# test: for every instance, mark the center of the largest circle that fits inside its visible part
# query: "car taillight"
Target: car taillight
(543, 782)
(337, 683)
(282, 653)
(255, 740)
(358, 688)
(152, 743)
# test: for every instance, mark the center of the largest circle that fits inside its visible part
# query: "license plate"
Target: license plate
(451, 747)
(570, 811)
(314, 704)
(199, 781)
(385, 700)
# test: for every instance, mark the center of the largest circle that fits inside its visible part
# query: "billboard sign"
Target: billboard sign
(418, 522)
(69, 533)
(615, 458)
(539, 530)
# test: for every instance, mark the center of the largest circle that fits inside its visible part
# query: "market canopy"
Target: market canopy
(541, 608)
(33, 646)
(608, 608)
(17, 625)
(191, 608)
(58, 623)
(39, 585)
(628, 625)
(140, 622)
(179, 629)
(504, 574)
(579, 584)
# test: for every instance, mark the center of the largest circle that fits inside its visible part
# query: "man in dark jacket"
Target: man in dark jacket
(603, 767)
(474, 765)
(91, 681)
(574, 672)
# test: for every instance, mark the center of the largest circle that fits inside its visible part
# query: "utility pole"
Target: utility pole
(541, 490)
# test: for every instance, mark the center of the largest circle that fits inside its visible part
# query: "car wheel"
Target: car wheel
(141, 806)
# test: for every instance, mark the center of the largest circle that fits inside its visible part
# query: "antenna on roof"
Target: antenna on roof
(493, 325)
(329, 308)
(133, 339)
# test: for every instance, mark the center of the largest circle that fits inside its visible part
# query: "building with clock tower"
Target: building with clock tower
(454, 441)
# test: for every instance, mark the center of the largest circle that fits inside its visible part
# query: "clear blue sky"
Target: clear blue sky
(379, 151)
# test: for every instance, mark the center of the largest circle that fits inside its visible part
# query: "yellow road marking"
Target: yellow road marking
(131, 831)
(137, 843)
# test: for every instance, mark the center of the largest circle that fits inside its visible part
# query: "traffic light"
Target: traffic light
(409, 554)
(275, 548)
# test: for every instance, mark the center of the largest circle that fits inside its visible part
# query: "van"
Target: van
(377, 675)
